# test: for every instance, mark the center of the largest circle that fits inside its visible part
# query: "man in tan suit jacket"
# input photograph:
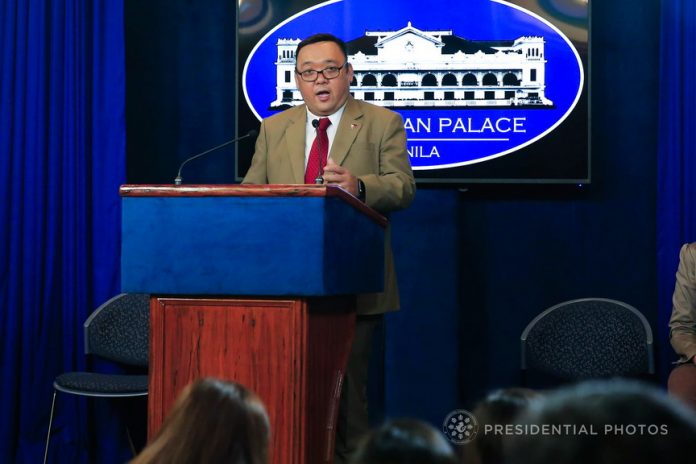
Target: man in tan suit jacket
(682, 327)
(369, 143)
(367, 157)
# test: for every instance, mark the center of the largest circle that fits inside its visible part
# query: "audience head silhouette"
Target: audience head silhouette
(405, 441)
(212, 421)
(605, 422)
(499, 408)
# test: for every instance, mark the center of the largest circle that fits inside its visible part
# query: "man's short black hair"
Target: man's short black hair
(323, 37)
(404, 441)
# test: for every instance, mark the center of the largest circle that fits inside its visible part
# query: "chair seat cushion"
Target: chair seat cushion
(98, 384)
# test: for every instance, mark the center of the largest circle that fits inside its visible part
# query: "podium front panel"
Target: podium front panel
(280, 246)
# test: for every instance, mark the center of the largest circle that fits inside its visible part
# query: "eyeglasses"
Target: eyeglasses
(330, 72)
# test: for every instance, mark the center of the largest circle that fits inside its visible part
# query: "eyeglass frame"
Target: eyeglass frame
(339, 68)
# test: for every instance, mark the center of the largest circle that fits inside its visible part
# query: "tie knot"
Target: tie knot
(324, 123)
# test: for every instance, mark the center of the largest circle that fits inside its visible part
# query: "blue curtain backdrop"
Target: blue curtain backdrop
(62, 158)
(676, 216)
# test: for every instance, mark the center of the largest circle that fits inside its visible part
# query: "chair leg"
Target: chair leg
(130, 442)
(50, 423)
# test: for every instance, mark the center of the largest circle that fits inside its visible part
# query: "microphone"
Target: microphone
(251, 133)
(320, 173)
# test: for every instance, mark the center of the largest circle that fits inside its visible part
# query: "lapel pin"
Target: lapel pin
(353, 126)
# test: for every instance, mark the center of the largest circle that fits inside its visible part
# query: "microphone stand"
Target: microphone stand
(178, 179)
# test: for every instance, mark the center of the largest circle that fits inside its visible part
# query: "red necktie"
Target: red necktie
(318, 153)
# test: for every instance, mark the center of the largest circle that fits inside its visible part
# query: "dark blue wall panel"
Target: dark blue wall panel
(422, 339)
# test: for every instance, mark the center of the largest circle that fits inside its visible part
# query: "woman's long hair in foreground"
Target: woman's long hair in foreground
(212, 421)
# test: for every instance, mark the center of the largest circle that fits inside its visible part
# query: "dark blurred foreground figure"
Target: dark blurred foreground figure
(603, 422)
(212, 421)
(404, 441)
(682, 327)
(498, 409)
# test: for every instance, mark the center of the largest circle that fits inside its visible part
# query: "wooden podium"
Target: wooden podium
(254, 284)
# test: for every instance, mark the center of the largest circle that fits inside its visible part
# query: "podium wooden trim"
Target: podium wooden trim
(249, 190)
(286, 331)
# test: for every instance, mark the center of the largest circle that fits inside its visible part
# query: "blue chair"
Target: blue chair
(116, 331)
(588, 338)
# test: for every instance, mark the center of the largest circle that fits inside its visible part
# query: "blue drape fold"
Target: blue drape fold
(62, 157)
(676, 212)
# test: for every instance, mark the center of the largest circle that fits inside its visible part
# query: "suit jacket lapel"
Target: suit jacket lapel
(347, 130)
(295, 143)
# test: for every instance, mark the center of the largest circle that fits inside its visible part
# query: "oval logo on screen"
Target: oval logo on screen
(472, 80)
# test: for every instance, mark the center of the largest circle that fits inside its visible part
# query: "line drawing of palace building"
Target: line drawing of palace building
(412, 68)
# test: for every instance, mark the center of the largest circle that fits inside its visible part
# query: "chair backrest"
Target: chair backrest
(118, 330)
(589, 338)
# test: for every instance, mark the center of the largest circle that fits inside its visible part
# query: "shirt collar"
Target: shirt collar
(335, 118)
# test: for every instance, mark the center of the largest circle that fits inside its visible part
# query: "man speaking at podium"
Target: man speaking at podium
(337, 140)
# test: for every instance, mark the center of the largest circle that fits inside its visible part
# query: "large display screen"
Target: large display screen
(489, 91)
